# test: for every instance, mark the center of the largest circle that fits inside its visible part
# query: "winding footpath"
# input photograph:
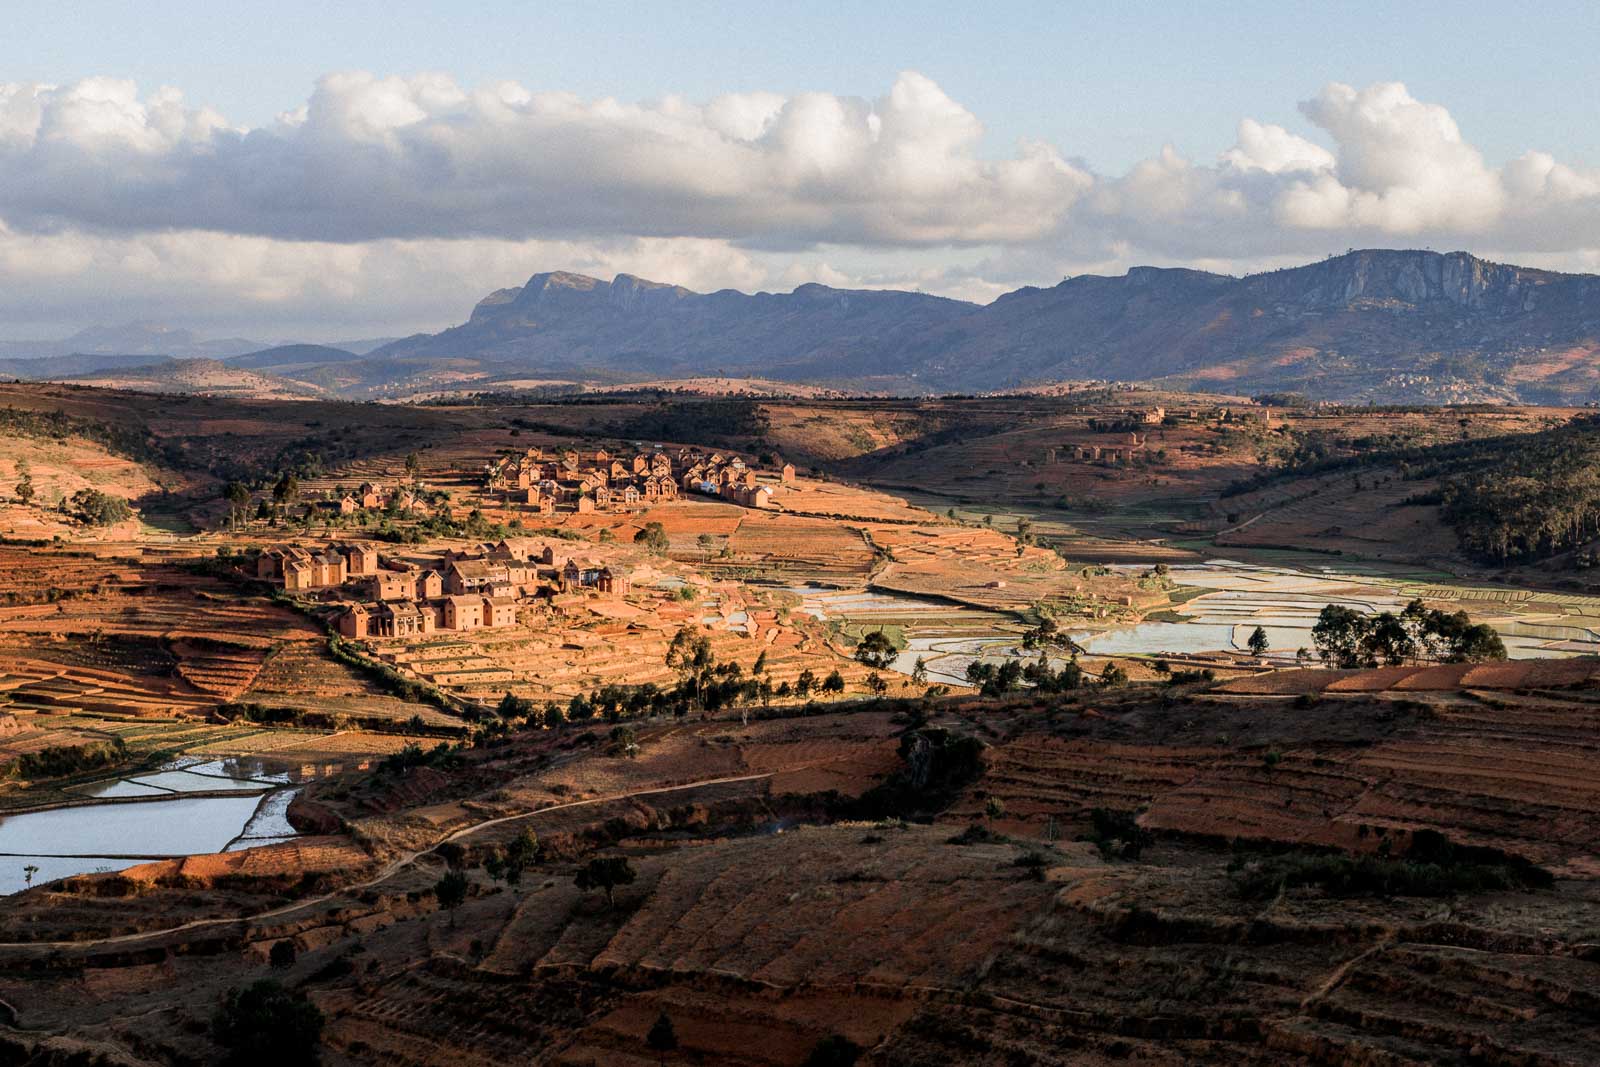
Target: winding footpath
(389, 871)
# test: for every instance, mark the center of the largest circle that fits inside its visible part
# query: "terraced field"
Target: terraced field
(992, 934)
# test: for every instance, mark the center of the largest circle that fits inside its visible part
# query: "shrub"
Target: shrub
(1431, 867)
(94, 508)
(835, 1050)
(266, 1025)
(1118, 834)
(60, 760)
(606, 873)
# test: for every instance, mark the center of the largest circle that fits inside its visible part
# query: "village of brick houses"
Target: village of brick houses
(468, 617)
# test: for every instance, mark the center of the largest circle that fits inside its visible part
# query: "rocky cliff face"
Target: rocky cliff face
(1369, 325)
(574, 324)
(1414, 278)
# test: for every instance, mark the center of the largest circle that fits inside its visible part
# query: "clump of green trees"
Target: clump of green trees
(94, 508)
(1527, 497)
(1345, 637)
(998, 679)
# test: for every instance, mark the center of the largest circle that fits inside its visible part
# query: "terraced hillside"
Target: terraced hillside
(1141, 875)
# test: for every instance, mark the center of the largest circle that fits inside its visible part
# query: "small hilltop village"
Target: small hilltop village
(485, 586)
(583, 482)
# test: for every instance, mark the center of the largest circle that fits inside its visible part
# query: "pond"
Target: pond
(147, 817)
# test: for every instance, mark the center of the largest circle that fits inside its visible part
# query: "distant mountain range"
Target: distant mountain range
(1376, 325)
(146, 339)
(1372, 325)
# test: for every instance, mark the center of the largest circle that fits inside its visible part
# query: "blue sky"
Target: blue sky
(1102, 81)
(332, 169)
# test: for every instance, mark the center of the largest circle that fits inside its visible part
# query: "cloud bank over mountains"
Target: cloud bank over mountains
(406, 198)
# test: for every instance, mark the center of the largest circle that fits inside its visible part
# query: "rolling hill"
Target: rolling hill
(208, 377)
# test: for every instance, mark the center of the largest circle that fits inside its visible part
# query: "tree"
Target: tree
(28, 872)
(94, 508)
(706, 543)
(451, 892)
(876, 650)
(1388, 641)
(282, 954)
(919, 671)
(690, 655)
(835, 1050)
(833, 683)
(1258, 642)
(413, 465)
(1477, 644)
(1338, 636)
(623, 742)
(760, 665)
(1346, 638)
(266, 1025)
(287, 490)
(1113, 675)
(605, 873)
(237, 494)
(514, 707)
(662, 1038)
(654, 537)
(805, 683)
(1046, 635)
(518, 856)
(876, 683)
(25, 490)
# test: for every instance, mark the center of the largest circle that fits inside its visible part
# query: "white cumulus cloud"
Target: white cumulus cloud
(380, 197)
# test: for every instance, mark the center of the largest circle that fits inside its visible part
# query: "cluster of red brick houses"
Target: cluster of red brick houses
(370, 496)
(299, 569)
(600, 481)
(469, 589)
(727, 477)
(583, 481)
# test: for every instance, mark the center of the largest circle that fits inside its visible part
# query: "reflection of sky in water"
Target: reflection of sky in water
(119, 788)
(81, 840)
(272, 817)
(156, 828)
(13, 878)
(189, 782)
(1239, 597)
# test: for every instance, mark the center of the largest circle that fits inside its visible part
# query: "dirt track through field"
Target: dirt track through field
(388, 872)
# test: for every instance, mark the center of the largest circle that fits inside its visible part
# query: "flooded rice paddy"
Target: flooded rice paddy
(242, 803)
(1222, 603)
